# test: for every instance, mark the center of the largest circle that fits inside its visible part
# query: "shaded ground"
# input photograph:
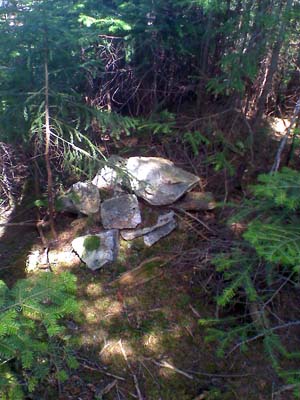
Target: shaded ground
(142, 339)
(17, 237)
(146, 337)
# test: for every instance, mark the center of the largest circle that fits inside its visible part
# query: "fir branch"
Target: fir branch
(265, 333)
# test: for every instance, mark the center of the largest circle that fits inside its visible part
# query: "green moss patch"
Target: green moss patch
(74, 197)
(91, 243)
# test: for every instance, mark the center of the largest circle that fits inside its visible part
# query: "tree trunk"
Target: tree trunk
(272, 67)
(47, 153)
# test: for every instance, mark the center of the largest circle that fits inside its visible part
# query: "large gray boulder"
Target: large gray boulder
(83, 197)
(97, 250)
(121, 212)
(157, 180)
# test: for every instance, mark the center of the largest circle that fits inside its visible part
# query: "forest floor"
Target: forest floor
(140, 338)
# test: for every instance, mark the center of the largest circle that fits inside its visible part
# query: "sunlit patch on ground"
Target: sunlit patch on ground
(151, 341)
(279, 126)
(149, 320)
(4, 218)
(114, 349)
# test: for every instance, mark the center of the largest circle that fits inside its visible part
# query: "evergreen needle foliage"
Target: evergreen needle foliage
(258, 268)
(32, 337)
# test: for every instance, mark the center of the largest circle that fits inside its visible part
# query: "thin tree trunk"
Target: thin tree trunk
(47, 153)
(272, 68)
(268, 82)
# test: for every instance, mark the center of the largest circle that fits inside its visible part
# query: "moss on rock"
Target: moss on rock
(91, 243)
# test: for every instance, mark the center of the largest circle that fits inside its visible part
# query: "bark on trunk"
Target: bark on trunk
(273, 65)
(47, 153)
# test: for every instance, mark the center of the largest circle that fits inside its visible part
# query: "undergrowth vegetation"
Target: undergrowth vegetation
(194, 81)
(34, 345)
(257, 269)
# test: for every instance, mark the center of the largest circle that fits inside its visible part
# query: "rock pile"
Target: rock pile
(155, 180)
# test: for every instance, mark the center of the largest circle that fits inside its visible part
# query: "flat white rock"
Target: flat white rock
(97, 250)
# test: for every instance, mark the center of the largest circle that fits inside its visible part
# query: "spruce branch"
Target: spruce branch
(265, 333)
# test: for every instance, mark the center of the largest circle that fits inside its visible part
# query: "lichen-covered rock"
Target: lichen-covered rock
(65, 203)
(111, 175)
(97, 250)
(121, 212)
(157, 180)
(82, 197)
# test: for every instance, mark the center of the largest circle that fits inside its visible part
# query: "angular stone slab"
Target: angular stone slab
(159, 233)
(121, 212)
(161, 221)
(165, 224)
(83, 197)
(133, 234)
(97, 250)
(157, 180)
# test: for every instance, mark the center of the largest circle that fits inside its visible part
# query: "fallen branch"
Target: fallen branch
(196, 219)
(96, 368)
(24, 223)
(140, 274)
(135, 380)
(285, 388)
(225, 376)
(107, 388)
(165, 364)
(184, 220)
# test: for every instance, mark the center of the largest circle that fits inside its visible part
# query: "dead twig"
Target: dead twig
(98, 369)
(191, 226)
(278, 290)
(107, 388)
(165, 364)
(202, 396)
(135, 380)
(24, 223)
(262, 334)
(285, 389)
(192, 123)
(195, 312)
(196, 219)
(228, 376)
